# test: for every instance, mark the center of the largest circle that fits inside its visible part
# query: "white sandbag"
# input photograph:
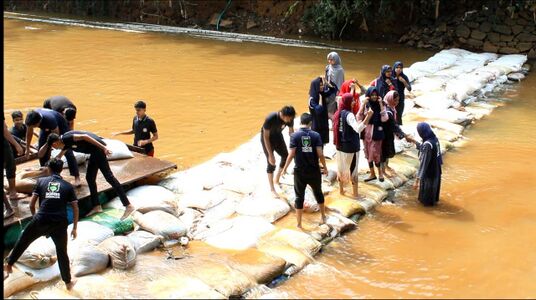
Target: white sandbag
(40, 254)
(160, 223)
(17, 281)
(295, 239)
(80, 157)
(144, 241)
(118, 148)
(242, 234)
(182, 287)
(41, 275)
(240, 182)
(121, 252)
(180, 183)
(329, 150)
(429, 84)
(145, 205)
(151, 193)
(88, 260)
(450, 115)
(309, 204)
(339, 223)
(263, 205)
(434, 100)
(513, 62)
(90, 232)
(190, 218)
(202, 199)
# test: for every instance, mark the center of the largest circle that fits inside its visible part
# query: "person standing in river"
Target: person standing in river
(90, 143)
(346, 132)
(64, 106)
(272, 140)
(306, 150)
(319, 92)
(142, 128)
(373, 134)
(402, 83)
(428, 179)
(385, 82)
(335, 74)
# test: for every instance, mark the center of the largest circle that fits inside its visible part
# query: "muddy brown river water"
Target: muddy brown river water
(210, 96)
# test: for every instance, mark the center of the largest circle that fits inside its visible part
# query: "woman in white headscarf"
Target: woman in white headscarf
(334, 74)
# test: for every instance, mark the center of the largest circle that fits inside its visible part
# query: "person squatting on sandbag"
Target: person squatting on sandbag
(90, 143)
(49, 121)
(319, 91)
(390, 128)
(53, 194)
(18, 131)
(11, 169)
(306, 150)
(428, 179)
(64, 106)
(374, 133)
(385, 82)
(334, 73)
(402, 83)
(272, 140)
(346, 132)
(142, 127)
(351, 86)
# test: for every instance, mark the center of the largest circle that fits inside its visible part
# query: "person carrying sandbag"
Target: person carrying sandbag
(90, 143)
(53, 194)
(306, 146)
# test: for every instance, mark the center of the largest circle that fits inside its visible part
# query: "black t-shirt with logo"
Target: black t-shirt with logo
(142, 131)
(275, 124)
(306, 141)
(81, 146)
(54, 193)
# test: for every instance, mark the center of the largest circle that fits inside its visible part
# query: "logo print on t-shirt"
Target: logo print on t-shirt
(306, 144)
(144, 129)
(53, 190)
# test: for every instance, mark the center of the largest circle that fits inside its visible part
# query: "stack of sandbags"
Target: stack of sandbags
(160, 223)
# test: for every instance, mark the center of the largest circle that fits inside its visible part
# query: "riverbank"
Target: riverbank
(478, 79)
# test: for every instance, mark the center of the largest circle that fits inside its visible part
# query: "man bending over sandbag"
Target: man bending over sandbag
(90, 143)
(51, 220)
(306, 147)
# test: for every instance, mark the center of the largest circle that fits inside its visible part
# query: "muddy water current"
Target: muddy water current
(210, 96)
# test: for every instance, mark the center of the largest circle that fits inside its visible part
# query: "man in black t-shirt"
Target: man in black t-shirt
(306, 147)
(64, 106)
(272, 140)
(53, 194)
(19, 129)
(90, 143)
(142, 128)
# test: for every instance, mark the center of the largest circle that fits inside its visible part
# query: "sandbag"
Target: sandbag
(41, 275)
(263, 205)
(40, 254)
(202, 199)
(240, 182)
(221, 211)
(80, 157)
(182, 287)
(190, 218)
(87, 232)
(111, 218)
(160, 223)
(345, 207)
(291, 255)
(295, 239)
(309, 204)
(17, 281)
(434, 100)
(152, 197)
(372, 192)
(243, 233)
(121, 252)
(263, 268)
(118, 148)
(145, 205)
(180, 183)
(144, 241)
(339, 223)
(88, 260)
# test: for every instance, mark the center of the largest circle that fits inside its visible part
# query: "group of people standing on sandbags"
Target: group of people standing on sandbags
(375, 120)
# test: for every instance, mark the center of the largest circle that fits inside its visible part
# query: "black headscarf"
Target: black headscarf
(381, 85)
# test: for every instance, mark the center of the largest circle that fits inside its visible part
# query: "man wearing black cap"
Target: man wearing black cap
(306, 147)
(53, 194)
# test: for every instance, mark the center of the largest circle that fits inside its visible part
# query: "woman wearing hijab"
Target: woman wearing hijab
(335, 75)
(391, 130)
(401, 86)
(374, 132)
(351, 86)
(319, 91)
(429, 176)
(384, 83)
(346, 131)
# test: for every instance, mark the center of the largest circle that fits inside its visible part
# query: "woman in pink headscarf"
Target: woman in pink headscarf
(346, 131)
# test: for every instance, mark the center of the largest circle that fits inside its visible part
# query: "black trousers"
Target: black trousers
(9, 161)
(399, 111)
(36, 229)
(98, 161)
(279, 146)
(301, 180)
(69, 155)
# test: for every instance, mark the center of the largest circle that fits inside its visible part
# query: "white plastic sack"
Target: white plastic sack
(121, 252)
(118, 148)
(160, 223)
(88, 260)
(145, 205)
(202, 199)
(87, 232)
(434, 100)
(263, 205)
(181, 182)
(41, 275)
(40, 254)
(242, 234)
(144, 241)
(190, 218)
(80, 157)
